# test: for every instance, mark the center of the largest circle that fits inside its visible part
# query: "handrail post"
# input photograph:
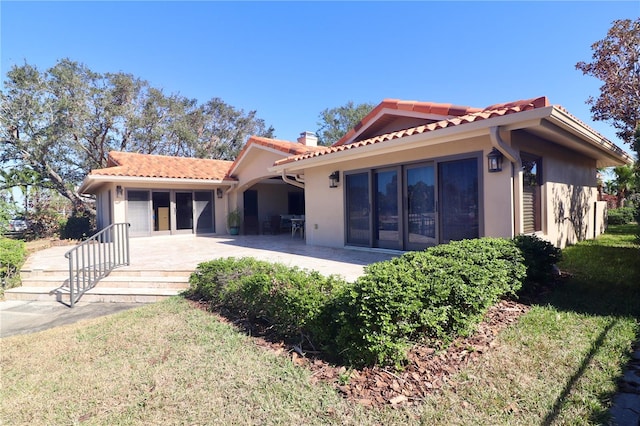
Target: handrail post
(90, 261)
(71, 281)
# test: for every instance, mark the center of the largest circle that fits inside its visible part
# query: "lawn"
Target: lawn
(169, 363)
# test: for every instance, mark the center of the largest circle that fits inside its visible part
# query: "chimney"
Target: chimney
(308, 139)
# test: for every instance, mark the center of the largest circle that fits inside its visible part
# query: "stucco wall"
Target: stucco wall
(119, 205)
(325, 209)
(569, 192)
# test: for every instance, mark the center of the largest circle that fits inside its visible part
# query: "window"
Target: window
(531, 194)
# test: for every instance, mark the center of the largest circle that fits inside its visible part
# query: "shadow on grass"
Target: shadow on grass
(605, 282)
(595, 347)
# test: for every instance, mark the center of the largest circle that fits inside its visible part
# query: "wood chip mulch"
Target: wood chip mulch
(427, 370)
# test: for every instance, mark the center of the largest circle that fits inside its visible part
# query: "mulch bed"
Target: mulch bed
(427, 370)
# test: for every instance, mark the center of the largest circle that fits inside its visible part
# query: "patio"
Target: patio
(183, 252)
(160, 265)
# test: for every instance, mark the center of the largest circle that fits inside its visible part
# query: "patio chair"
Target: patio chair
(251, 225)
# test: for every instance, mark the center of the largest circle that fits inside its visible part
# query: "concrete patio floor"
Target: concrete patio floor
(185, 252)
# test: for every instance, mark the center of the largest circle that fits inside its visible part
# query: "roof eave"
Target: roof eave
(605, 152)
(611, 154)
(92, 181)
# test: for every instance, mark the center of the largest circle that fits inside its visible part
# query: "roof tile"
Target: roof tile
(472, 115)
(163, 166)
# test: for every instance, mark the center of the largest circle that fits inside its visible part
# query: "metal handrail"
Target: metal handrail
(96, 257)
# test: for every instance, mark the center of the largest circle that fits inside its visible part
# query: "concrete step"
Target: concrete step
(115, 281)
(124, 272)
(96, 294)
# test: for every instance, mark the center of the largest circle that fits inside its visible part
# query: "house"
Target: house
(409, 175)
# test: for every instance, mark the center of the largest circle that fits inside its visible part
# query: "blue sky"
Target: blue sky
(291, 60)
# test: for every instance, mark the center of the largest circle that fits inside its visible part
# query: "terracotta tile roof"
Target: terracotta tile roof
(415, 106)
(162, 166)
(473, 115)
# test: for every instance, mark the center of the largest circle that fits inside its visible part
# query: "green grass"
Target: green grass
(169, 363)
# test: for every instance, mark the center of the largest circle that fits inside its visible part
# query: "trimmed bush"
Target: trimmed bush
(76, 228)
(621, 216)
(12, 256)
(292, 300)
(539, 258)
(439, 293)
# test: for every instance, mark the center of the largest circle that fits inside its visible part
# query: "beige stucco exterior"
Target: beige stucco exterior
(568, 153)
(111, 203)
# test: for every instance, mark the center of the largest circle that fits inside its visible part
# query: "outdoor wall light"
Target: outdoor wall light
(119, 191)
(495, 161)
(334, 178)
(219, 192)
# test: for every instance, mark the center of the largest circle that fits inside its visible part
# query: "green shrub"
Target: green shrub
(292, 300)
(76, 228)
(441, 293)
(539, 258)
(621, 216)
(12, 255)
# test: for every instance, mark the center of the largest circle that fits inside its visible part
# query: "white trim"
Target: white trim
(258, 146)
(91, 180)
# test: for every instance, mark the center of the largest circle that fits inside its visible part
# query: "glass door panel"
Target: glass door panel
(204, 211)
(161, 217)
(421, 207)
(387, 220)
(458, 192)
(184, 211)
(138, 213)
(358, 209)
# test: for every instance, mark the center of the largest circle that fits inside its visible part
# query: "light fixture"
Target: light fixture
(119, 191)
(219, 192)
(335, 178)
(495, 161)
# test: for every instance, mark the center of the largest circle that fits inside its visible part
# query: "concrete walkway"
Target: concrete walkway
(24, 317)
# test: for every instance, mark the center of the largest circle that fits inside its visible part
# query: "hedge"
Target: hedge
(621, 216)
(439, 293)
(290, 299)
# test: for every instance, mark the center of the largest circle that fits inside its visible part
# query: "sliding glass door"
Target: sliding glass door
(421, 207)
(203, 210)
(138, 213)
(170, 212)
(458, 187)
(358, 203)
(387, 216)
(413, 206)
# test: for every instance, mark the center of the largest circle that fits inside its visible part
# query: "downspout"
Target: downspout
(228, 203)
(497, 142)
(516, 165)
(288, 180)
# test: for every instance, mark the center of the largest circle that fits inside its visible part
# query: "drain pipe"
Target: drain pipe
(516, 166)
(497, 142)
(288, 180)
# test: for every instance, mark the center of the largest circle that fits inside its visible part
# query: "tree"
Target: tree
(336, 122)
(58, 125)
(222, 130)
(616, 61)
(624, 183)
